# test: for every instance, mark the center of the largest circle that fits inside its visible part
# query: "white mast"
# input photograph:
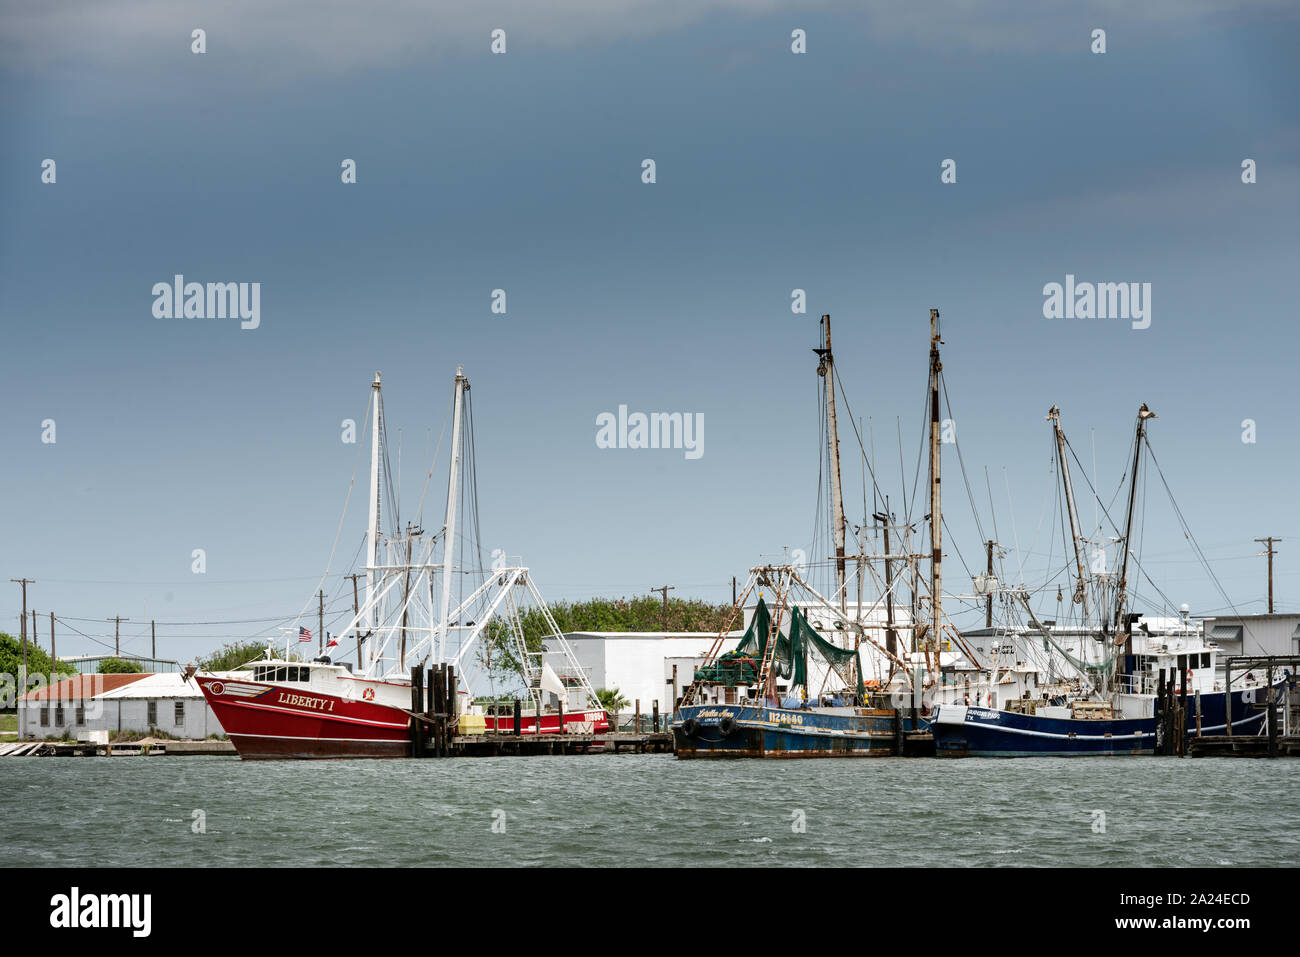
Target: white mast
(449, 529)
(372, 529)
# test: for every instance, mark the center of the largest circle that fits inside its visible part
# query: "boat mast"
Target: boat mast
(372, 529)
(449, 529)
(1081, 581)
(826, 369)
(936, 499)
(1121, 588)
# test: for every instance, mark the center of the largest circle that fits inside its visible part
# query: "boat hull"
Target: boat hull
(268, 721)
(759, 731)
(961, 731)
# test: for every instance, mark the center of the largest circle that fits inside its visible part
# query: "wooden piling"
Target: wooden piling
(654, 719)
(1227, 698)
(1272, 716)
(1182, 711)
(519, 717)
(417, 726)
(1198, 713)
(637, 721)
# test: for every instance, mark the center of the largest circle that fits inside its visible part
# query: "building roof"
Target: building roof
(81, 687)
(166, 684)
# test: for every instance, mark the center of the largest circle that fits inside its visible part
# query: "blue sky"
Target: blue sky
(522, 171)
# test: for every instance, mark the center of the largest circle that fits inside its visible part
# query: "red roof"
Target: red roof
(81, 687)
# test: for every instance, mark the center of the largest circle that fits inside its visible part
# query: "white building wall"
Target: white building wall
(119, 714)
(638, 665)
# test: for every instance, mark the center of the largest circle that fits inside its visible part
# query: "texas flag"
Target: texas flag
(332, 640)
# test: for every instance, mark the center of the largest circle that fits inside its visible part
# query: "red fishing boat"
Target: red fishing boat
(278, 707)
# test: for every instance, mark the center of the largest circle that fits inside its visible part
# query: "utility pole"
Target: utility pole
(1270, 553)
(733, 591)
(988, 600)
(117, 626)
(320, 622)
(54, 670)
(153, 640)
(22, 622)
(665, 589)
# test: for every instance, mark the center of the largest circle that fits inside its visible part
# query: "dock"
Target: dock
(1244, 746)
(494, 745)
(114, 749)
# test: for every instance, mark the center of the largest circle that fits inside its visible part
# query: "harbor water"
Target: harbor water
(649, 810)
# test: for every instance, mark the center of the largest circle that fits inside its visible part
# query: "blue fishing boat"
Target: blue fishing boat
(1070, 730)
(753, 702)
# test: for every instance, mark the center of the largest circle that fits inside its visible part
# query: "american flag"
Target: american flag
(304, 634)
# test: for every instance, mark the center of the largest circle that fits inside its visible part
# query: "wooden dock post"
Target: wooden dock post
(519, 717)
(440, 708)
(561, 731)
(1160, 711)
(637, 721)
(1272, 716)
(452, 720)
(654, 720)
(1182, 712)
(1227, 697)
(417, 726)
(1198, 713)
(430, 705)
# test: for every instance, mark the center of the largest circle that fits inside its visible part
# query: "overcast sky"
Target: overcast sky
(522, 171)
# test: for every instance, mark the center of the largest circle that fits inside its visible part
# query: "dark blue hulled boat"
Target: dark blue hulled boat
(762, 731)
(961, 731)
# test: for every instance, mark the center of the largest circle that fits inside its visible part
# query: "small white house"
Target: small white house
(139, 702)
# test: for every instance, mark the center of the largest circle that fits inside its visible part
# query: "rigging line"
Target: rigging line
(1096, 498)
(1187, 531)
(902, 473)
(961, 462)
(1014, 536)
(858, 435)
(346, 501)
(419, 512)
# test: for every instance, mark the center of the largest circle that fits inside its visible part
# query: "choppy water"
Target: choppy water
(649, 810)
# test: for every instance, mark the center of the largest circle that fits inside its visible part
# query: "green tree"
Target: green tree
(38, 661)
(613, 702)
(643, 613)
(119, 666)
(232, 655)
